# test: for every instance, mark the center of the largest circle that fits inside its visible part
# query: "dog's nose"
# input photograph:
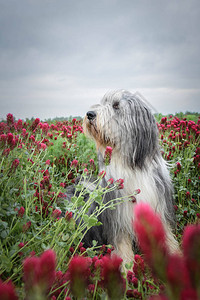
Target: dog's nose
(91, 115)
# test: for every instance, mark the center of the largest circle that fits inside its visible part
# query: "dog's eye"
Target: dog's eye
(116, 105)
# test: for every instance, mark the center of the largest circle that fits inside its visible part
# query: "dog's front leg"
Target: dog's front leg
(123, 249)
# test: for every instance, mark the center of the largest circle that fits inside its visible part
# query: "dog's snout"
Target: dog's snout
(91, 115)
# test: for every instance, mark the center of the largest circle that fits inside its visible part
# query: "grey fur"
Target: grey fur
(125, 122)
(137, 137)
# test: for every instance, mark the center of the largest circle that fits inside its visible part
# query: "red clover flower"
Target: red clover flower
(21, 212)
(39, 272)
(107, 155)
(112, 277)
(74, 163)
(120, 183)
(43, 146)
(151, 236)
(191, 246)
(102, 174)
(7, 291)
(68, 215)
(138, 267)
(56, 213)
(78, 273)
(10, 119)
(15, 164)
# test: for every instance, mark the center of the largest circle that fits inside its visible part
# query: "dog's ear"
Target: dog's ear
(143, 136)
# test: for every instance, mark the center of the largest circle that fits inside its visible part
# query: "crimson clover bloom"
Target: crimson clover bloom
(15, 164)
(7, 291)
(151, 236)
(189, 294)
(129, 276)
(10, 119)
(138, 191)
(43, 146)
(138, 267)
(86, 171)
(56, 213)
(47, 162)
(31, 271)
(120, 183)
(177, 275)
(21, 245)
(134, 294)
(35, 124)
(91, 162)
(188, 194)
(68, 215)
(102, 174)
(6, 151)
(191, 246)
(112, 277)
(19, 124)
(110, 181)
(39, 272)
(3, 138)
(21, 212)
(10, 139)
(74, 163)
(107, 155)
(26, 226)
(78, 273)
(47, 269)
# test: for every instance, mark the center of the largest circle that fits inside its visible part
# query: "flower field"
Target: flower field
(41, 251)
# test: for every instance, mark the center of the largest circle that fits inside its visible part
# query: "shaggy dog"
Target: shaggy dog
(124, 121)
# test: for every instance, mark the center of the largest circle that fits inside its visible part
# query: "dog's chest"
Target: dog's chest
(139, 183)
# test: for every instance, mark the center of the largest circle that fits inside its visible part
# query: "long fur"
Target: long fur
(124, 121)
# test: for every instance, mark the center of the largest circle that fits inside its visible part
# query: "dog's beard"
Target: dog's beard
(91, 129)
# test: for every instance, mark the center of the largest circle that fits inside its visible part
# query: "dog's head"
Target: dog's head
(123, 121)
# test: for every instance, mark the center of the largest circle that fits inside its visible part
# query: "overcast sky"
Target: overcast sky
(58, 57)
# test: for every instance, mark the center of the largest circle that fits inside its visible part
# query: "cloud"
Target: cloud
(59, 57)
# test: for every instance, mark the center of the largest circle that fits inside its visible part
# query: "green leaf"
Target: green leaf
(94, 243)
(92, 221)
(44, 246)
(129, 266)
(98, 223)
(6, 263)
(4, 234)
(73, 199)
(61, 244)
(85, 218)
(98, 199)
(4, 224)
(80, 201)
(79, 187)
